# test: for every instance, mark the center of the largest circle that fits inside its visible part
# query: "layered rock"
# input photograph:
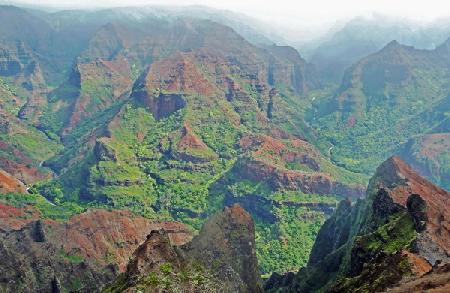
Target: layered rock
(188, 147)
(400, 230)
(221, 258)
(437, 281)
(291, 164)
(319, 183)
(81, 254)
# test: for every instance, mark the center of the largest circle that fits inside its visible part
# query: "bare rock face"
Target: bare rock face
(31, 262)
(221, 258)
(227, 242)
(12, 218)
(112, 236)
(161, 105)
(401, 229)
(155, 251)
(427, 203)
(9, 183)
(82, 254)
(436, 281)
(188, 147)
(319, 183)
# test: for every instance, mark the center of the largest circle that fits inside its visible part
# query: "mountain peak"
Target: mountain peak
(401, 180)
(392, 45)
(396, 182)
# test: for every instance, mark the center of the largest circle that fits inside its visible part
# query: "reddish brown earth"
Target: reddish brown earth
(189, 140)
(401, 181)
(436, 281)
(99, 235)
(191, 148)
(178, 74)
(107, 236)
(280, 152)
(419, 265)
(318, 183)
(224, 249)
(9, 183)
(12, 218)
(113, 74)
(23, 171)
(90, 249)
(268, 162)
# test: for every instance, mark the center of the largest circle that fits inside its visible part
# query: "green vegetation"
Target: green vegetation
(191, 277)
(62, 211)
(384, 102)
(383, 263)
(285, 246)
(73, 258)
(392, 237)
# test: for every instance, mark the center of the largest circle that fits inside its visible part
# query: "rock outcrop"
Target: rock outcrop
(401, 229)
(435, 281)
(82, 254)
(222, 258)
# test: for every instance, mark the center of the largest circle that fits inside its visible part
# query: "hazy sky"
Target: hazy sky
(295, 12)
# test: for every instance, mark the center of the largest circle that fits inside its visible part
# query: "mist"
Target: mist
(302, 19)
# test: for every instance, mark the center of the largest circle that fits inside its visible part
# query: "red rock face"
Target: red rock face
(436, 281)
(401, 181)
(276, 151)
(22, 172)
(224, 251)
(9, 183)
(178, 74)
(99, 235)
(190, 140)
(12, 218)
(111, 75)
(268, 161)
(107, 236)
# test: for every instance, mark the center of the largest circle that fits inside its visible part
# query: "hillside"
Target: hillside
(173, 118)
(398, 233)
(394, 101)
(359, 37)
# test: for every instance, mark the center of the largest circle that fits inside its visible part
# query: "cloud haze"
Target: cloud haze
(289, 12)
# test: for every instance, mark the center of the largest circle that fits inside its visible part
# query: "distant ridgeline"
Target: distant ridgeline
(173, 116)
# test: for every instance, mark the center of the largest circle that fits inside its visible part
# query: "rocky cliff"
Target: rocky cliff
(400, 230)
(82, 254)
(221, 258)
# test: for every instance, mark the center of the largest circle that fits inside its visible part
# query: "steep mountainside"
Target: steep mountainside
(171, 117)
(362, 36)
(394, 101)
(221, 258)
(82, 254)
(401, 230)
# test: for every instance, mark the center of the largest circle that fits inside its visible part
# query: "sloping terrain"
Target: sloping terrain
(395, 99)
(399, 231)
(221, 258)
(163, 116)
(83, 254)
(361, 36)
